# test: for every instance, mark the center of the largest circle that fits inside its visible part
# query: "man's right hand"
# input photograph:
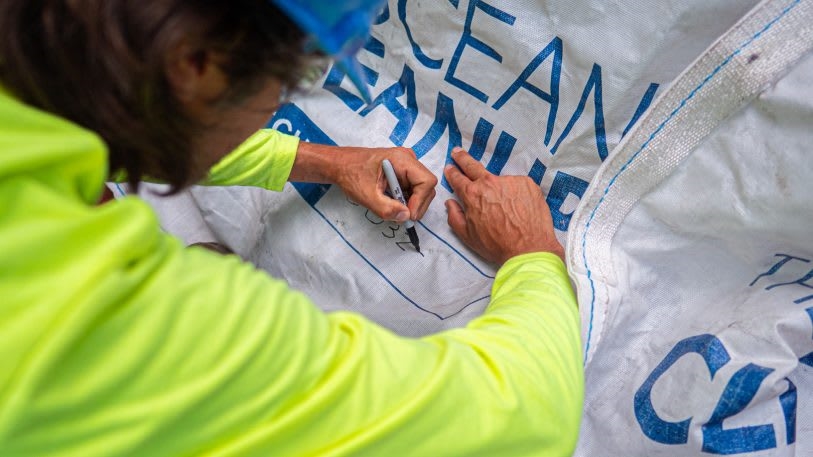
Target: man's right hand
(499, 217)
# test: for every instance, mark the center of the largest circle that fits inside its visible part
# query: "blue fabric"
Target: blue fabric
(339, 28)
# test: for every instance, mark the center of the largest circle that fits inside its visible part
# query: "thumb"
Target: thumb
(457, 220)
(389, 209)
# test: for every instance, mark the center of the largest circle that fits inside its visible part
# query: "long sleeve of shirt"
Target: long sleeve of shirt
(263, 160)
(117, 340)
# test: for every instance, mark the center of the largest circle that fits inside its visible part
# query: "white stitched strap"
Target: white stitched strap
(757, 51)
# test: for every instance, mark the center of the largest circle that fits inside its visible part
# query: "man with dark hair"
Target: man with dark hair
(116, 340)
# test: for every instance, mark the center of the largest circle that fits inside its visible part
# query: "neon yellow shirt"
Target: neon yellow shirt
(117, 340)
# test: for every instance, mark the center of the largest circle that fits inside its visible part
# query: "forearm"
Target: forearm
(272, 155)
(315, 163)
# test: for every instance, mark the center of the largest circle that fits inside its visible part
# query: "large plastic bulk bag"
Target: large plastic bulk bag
(692, 269)
(692, 255)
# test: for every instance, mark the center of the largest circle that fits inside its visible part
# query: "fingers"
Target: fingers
(421, 184)
(457, 220)
(471, 167)
(419, 201)
(457, 180)
(384, 206)
(416, 180)
(389, 209)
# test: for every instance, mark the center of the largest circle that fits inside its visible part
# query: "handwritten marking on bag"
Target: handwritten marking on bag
(390, 230)
(360, 227)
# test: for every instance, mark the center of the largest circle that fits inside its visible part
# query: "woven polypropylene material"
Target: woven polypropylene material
(758, 50)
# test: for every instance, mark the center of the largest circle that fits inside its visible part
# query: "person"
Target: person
(118, 340)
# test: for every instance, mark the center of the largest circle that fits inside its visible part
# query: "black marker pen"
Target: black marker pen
(395, 190)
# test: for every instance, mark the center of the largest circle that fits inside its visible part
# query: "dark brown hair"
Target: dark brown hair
(102, 64)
